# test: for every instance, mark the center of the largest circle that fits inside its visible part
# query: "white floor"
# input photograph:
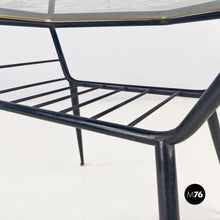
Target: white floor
(40, 176)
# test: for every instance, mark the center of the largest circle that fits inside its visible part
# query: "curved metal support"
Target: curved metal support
(204, 108)
(72, 82)
(215, 132)
(61, 55)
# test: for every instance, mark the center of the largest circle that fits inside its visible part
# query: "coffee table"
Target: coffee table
(103, 13)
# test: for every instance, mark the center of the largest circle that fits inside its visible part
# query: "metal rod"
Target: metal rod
(167, 181)
(153, 90)
(60, 54)
(23, 23)
(119, 105)
(199, 114)
(91, 101)
(63, 98)
(27, 63)
(75, 101)
(136, 121)
(215, 132)
(43, 94)
(31, 85)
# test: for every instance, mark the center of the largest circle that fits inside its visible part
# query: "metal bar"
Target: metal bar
(63, 98)
(60, 54)
(31, 85)
(27, 63)
(91, 101)
(119, 105)
(215, 132)
(153, 90)
(43, 94)
(23, 23)
(116, 130)
(136, 121)
(75, 101)
(108, 23)
(167, 181)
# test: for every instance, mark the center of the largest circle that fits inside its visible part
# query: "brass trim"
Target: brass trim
(108, 19)
(24, 18)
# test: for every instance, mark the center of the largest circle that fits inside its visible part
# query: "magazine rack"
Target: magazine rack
(66, 14)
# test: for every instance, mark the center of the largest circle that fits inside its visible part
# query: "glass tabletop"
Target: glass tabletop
(89, 10)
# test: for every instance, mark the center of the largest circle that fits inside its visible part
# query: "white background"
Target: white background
(40, 175)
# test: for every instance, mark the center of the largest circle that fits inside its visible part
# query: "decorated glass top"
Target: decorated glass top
(89, 10)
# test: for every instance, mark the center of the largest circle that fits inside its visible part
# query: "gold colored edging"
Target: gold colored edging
(108, 19)
(24, 18)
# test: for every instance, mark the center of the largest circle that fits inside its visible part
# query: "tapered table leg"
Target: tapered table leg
(75, 101)
(215, 132)
(167, 181)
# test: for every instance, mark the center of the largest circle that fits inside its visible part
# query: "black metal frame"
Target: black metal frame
(164, 142)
